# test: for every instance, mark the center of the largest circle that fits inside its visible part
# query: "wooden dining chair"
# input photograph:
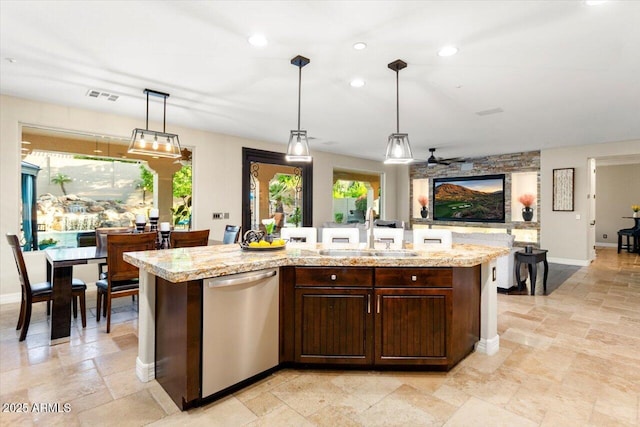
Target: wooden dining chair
(122, 277)
(188, 239)
(101, 242)
(231, 234)
(41, 292)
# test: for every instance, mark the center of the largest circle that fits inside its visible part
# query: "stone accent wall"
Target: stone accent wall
(499, 164)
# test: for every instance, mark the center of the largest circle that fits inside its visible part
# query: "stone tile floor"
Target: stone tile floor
(568, 359)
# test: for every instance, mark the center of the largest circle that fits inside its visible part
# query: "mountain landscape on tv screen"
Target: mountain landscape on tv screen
(459, 202)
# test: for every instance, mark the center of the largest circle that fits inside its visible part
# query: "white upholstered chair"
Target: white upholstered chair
(426, 239)
(393, 236)
(300, 236)
(340, 237)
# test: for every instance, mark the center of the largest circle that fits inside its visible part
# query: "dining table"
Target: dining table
(60, 262)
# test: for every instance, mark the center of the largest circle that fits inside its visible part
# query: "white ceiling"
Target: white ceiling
(563, 72)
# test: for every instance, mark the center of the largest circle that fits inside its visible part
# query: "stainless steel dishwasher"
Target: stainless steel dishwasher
(239, 328)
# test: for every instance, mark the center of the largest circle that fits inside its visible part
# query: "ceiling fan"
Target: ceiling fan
(433, 160)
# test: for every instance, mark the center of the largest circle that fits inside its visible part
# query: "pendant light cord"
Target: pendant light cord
(164, 116)
(299, 92)
(397, 103)
(147, 128)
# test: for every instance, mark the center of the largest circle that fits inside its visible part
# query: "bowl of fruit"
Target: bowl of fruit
(255, 241)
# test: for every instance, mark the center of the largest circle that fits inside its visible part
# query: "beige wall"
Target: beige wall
(565, 236)
(615, 193)
(217, 165)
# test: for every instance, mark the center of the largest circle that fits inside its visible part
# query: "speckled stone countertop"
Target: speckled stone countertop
(180, 265)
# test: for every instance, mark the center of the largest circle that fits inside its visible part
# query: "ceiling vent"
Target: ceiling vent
(92, 93)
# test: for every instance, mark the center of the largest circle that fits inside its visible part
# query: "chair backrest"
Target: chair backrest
(336, 237)
(86, 238)
(22, 268)
(426, 239)
(101, 234)
(393, 236)
(300, 236)
(231, 234)
(117, 244)
(188, 239)
(394, 223)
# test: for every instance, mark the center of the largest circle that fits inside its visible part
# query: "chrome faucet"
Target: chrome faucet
(370, 238)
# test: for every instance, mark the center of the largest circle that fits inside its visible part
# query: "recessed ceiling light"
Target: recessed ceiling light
(258, 40)
(447, 51)
(26, 143)
(357, 83)
(595, 2)
(359, 45)
(12, 60)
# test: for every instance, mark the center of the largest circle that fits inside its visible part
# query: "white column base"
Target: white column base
(145, 371)
(489, 343)
(488, 346)
(146, 361)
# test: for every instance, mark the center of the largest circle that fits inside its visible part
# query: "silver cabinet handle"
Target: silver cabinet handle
(334, 277)
(368, 303)
(378, 304)
(414, 278)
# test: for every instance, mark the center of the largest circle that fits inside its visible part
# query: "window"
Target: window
(74, 183)
(353, 193)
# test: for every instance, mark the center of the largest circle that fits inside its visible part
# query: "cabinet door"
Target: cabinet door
(333, 326)
(412, 326)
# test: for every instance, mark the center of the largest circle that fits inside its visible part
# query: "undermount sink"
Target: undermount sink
(365, 253)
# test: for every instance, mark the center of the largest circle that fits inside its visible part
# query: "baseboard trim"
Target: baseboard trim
(145, 371)
(488, 346)
(10, 298)
(606, 245)
(569, 261)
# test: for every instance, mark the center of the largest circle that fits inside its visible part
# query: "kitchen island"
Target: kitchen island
(370, 295)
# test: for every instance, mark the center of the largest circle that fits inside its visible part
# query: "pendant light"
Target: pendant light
(398, 148)
(153, 143)
(298, 148)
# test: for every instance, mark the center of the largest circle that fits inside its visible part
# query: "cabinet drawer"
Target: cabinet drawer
(334, 276)
(414, 277)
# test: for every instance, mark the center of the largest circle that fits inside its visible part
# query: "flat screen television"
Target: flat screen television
(470, 199)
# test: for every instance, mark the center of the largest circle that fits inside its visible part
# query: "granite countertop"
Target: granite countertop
(183, 264)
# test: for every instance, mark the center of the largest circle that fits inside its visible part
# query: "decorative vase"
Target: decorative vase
(527, 213)
(424, 212)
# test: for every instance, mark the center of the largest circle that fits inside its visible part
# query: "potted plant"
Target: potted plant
(338, 217)
(46, 243)
(423, 200)
(527, 201)
(636, 210)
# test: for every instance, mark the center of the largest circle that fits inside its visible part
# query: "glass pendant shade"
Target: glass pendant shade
(298, 148)
(152, 143)
(398, 149)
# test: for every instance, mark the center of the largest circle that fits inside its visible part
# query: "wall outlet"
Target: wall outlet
(217, 215)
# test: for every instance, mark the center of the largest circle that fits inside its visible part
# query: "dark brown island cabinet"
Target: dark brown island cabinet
(427, 318)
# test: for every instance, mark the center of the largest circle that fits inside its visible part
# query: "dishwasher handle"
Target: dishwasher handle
(240, 279)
